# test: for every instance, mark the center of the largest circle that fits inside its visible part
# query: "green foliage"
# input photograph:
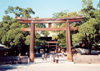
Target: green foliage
(64, 14)
(10, 34)
(88, 9)
(54, 37)
(98, 5)
(62, 39)
(27, 41)
(20, 12)
(44, 33)
(91, 24)
(59, 14)
(76, 38)
(88, 27)
(60, 35)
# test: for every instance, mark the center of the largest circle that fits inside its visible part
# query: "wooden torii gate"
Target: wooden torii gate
(49, 21)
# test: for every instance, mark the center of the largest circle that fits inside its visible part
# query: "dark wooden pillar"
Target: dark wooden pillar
(68, 43)
(56, 48)
(32, 41)
(49, 25)
(48, 48)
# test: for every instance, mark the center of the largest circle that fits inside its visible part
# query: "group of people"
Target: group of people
(44, 56)
(53, 58)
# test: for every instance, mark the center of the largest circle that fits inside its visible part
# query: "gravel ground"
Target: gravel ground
(40, 65)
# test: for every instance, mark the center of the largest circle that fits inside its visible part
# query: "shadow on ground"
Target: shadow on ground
(12, 66)
(6, 67)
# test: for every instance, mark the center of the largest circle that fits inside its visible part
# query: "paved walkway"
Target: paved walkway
(40, 65)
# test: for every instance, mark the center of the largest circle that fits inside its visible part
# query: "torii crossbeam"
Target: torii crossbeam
(49, 21)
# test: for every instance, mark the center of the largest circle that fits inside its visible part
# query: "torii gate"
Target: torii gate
(49, 21)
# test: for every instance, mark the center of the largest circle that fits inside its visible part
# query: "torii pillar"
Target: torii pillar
(68, 42)
(32, 41)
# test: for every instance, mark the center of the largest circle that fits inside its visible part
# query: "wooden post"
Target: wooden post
(56, 48)
(32, 42)
(68, 43)
(48, 48)
(49, 25)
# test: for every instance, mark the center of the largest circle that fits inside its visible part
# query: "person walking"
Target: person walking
(42, 57)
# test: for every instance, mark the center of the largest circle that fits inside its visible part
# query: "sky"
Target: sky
(44, 8)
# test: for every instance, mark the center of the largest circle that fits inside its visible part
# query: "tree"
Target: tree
(88, 9)
(90, 26)
(20, 12)
(10, 34)
(22, 38)
(60, 35)
(98, 5)
(87, 28)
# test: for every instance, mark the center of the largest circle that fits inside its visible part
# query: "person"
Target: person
(42, 56)
(56, 58)
(45, 56)
(62, 53)
(51, 58)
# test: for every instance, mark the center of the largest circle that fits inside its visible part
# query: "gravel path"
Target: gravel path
(40, 65)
